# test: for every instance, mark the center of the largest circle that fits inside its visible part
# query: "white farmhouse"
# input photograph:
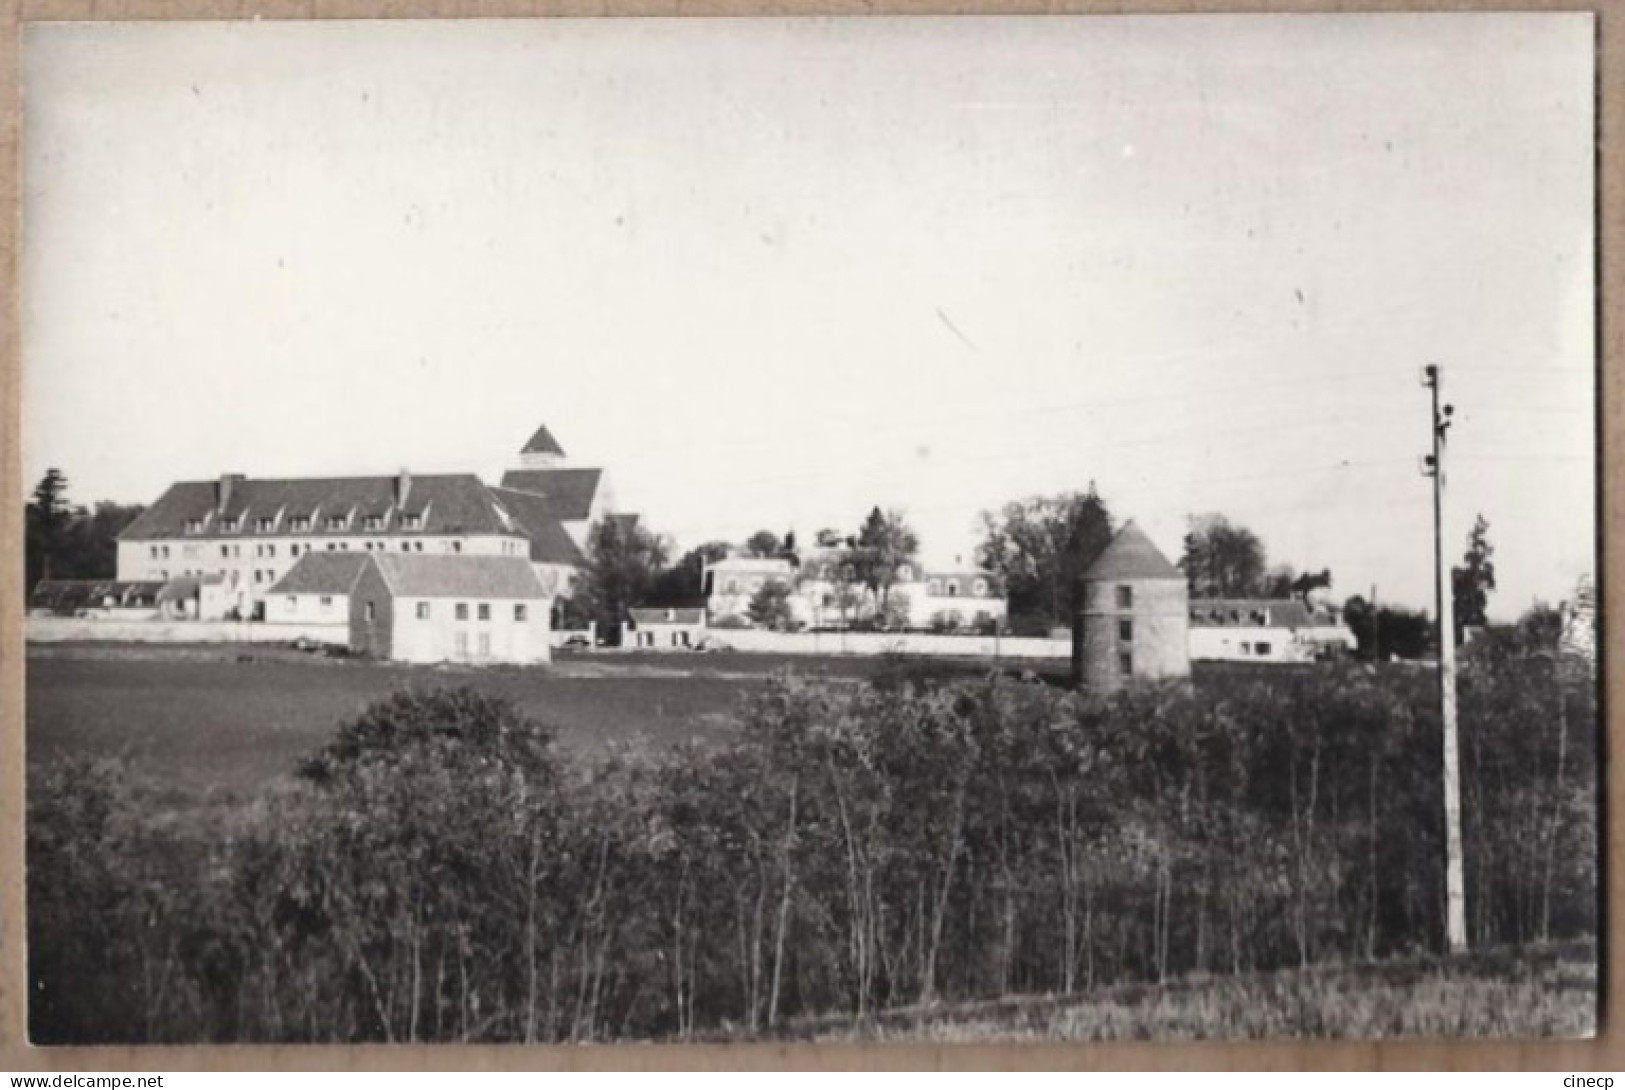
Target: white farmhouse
(1266, 630)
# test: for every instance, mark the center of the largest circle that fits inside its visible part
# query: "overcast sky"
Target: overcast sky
(771, 273)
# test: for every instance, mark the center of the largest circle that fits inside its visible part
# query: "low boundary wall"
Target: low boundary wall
(77, 629)
(880, 643)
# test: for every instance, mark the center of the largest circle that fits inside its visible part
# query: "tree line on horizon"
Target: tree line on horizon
(1037, 548)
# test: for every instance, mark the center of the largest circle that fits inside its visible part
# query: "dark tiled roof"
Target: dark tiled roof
(455, 503)
(542, 443)
(1250, 613)
(90, 593)
(322, 573)
(667, 616)
(1131, 555)
(570, 491)
(414, 575)
(549, 543)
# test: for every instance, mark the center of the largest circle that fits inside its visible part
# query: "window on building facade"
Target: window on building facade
(519, 612)
(225, 550)
(456, 546)
(462, 611)
(953, 588)
(934, 588)
(270, 550)
(1125, 664)
(485, 611)
(1125, 631)
(293, 604)
(980, 588)
(484, 645)
(423, 611)
(166, 552)
(1262, 648)
(327, 601)
(194, 526)
(372, 610)
(1125, 597)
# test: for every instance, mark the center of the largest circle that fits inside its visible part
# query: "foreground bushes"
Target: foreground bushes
(441, 872)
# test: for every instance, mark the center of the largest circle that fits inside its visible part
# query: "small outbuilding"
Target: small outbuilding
(665, 629)
(415, 607)
(316, 591)
(1134, 624)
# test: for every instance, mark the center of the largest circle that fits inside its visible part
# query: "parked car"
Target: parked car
(577, 641)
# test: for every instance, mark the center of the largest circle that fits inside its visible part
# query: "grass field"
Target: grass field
(228, 719)
(1529, 992)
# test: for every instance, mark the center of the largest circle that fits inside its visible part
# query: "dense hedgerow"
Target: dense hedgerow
(441, 872)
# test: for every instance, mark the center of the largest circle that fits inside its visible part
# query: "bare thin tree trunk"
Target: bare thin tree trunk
(784, 906)
(1557, 819)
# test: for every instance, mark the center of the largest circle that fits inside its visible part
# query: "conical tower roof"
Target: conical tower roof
(542, 443)
(1131, 555)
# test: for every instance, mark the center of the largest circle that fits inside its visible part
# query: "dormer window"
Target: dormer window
(301, 523)
(229, 526)
(264, 525)
(337, 522)
(411, 522)
(375, 522)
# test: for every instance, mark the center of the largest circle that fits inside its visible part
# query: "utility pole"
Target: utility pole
(1444, 595)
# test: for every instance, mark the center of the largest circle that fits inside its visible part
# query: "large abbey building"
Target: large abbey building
(236, 537)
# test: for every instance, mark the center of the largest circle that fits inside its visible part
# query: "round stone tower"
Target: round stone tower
(1134, 624)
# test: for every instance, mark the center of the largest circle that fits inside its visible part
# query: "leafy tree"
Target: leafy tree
(763, 544)
(1039, 547)
(1389, 631)
(770, 606)
(1222, 560)
(683, 582)
(46, 516)
(884, 544)
(88, 546)
(1472, 583)
(832, 539)
(622, 564)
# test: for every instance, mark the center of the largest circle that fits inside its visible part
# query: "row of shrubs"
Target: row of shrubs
(442, 871)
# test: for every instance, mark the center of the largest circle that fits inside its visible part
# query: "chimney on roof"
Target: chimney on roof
(223, 490)
(403, 486)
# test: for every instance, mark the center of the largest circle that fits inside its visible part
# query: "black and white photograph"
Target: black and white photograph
(974, 529)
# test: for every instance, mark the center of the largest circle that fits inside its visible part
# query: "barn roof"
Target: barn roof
(542, 443)
(549, 542)
(415, 575)
(667, 616)
(453, 503)
(322, 573)
(1131, 555)
(569, 491)
(1256, 613)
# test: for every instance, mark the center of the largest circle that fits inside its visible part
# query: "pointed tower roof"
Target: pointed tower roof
(542, 443)
(1131, 555)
